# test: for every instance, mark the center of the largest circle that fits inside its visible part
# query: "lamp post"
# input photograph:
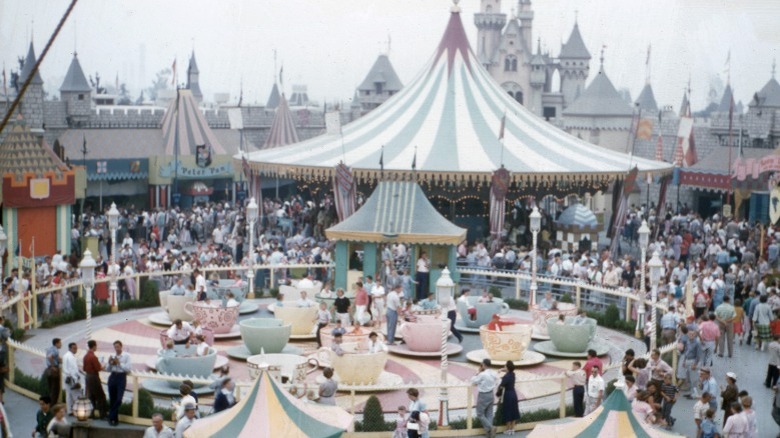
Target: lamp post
(644, 241)
(113, 224)
(87, 266)
(82, 409)
(251, 217)
(655, 266)
(445, 288)
(3, 243)
(536, 225)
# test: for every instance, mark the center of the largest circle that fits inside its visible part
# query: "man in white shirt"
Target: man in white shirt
(186, 421)
(304, 301)
(595, 391)
(200, 282)
(486, 382)
(180, 332)
(71, 377)
(158, 429)
(393, 304)
(306, 282)
(378, 302)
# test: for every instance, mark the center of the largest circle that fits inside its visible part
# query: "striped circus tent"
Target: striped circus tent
(282, 130)
(193, 130)
(613, 419)
(270, 411)
(448, 120)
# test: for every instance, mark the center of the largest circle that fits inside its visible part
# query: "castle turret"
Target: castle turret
(526, 16)
(489, 22)
(193, 79)
(76, 93)
(32, 102)
(574, 66)
(380, 84)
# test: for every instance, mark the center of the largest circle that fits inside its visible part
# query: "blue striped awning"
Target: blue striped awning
(449, 118)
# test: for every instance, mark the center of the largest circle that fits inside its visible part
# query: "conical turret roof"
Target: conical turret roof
(725, 101)
(575, 46)
(75, 80)
(273, 99)
(381, 72)
(646, 99)
(599, 99)
(29, 63)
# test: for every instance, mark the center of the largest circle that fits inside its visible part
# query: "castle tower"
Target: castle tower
(538, 79)
(380, 84)
(32, 102)
(574, 66)
(526, 16)
(193, 79)
(489, 22)
(76, 93)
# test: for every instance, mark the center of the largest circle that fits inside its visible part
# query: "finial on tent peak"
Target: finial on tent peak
(455, 8)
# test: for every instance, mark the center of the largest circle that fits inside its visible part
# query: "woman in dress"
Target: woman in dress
(328, 388)
(510, 410)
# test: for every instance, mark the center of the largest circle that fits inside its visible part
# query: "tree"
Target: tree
(140, 99)
(163, 78)
(124, 96)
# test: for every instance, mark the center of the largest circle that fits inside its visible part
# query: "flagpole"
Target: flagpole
(731, 124)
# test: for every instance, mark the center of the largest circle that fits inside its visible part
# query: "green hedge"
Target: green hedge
(31, 383)
(516, 304)
(610, 318)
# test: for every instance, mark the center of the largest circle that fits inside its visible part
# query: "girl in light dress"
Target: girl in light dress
(400, 423)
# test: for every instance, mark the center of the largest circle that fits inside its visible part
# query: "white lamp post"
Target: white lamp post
(251, 217)
(536, 225)
(113, 224)
(87, 266)
(655, 267)
(445, 288)
(644, 240)
(3, 243)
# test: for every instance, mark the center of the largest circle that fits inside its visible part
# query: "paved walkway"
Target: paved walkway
(749, 365)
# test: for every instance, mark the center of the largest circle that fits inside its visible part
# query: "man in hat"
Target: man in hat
(186, 421)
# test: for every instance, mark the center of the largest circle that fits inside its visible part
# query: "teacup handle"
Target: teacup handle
(188, 309)
(504, 309)
(314, 363)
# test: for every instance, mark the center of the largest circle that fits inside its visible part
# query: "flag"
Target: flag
(382, 160)
(501, 129)
(116, 83)
(173, 75)
(281, 82)
(647, 61)
(245, 167)
(241, 94)
(344, 191)
(414, 160)
(498, 189)
(645, 129)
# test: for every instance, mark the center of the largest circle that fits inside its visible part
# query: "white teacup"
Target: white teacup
(293, 367)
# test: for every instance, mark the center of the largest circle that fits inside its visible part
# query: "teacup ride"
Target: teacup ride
(541, 316)
(301, 320)
(151, 363)
(205, 331)
(359, 339)
(285, 368)
(357, 368)
(220, 290)
(185, 365)
(173, 309)
(329, 301)
(571, 339)
(219, 318)
(423, 337)
(511, 342)
(484, 313)
(293, 293)
(263, 336)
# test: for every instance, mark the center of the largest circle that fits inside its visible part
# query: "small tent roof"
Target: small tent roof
(193, 130)
(270, 411)
(282, 130)
(397, 211)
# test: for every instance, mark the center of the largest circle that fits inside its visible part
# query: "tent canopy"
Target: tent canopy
(270, 411)
(193, 130)
(613, 419)
(447, 121)
(397, 211)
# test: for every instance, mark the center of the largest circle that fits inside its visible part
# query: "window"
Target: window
(510, 63)
(81, 97)
(519, 97)
(548, 113)
(378, 87)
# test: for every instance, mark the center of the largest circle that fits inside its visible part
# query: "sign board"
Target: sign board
(39, 188)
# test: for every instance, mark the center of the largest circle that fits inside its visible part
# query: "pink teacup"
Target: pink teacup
(214, 316)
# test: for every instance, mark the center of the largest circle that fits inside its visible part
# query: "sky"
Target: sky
(330, 45)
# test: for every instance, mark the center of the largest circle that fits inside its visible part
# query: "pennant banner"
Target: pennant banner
(498, 190)
(344, 190)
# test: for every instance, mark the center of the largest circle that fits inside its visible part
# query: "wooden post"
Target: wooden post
(34, 309)
(562, 407)
(469, 406)
(352, 407)
(81, 291)
(517, 288)
(20, 314)
(11, 363)
(137, 280)
(273, 281)
(135, 396)
(628, 309)
(578, 296)
(675, 358)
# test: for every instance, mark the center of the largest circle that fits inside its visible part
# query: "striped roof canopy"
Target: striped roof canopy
(449, 118)
(193, 130)
(282, 130)
(397, 211)
(270, 411)
(613, 419)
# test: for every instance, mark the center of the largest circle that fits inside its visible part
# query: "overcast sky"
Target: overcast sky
(330, 45)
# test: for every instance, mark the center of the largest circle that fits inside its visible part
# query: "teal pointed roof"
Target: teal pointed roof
(575, 46)
(646, 99)
(27, 67)
(75, 80)
(725, 101)
(599, 99)
(381, 72)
